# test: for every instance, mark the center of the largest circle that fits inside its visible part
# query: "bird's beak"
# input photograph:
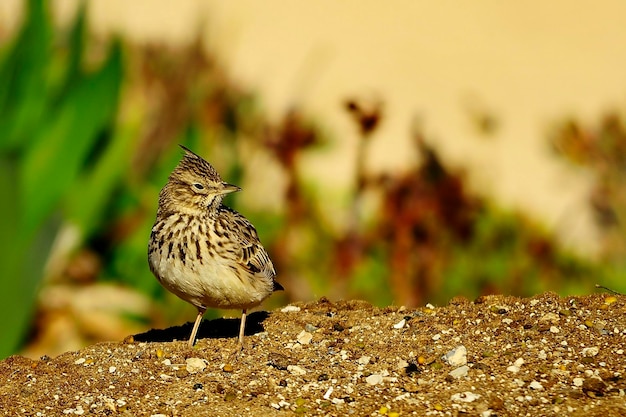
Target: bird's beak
(229, 188)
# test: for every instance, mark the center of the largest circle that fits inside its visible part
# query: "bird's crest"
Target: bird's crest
(195, 163)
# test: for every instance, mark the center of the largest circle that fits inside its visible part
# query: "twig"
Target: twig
(609, 290)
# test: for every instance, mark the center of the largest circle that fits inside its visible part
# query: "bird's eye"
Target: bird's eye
(198, 186)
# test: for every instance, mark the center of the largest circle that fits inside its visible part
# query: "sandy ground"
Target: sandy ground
(497, 355)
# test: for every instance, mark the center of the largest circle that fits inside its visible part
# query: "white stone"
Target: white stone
(465, 397)
(296, 370)
(536, 386)
(195, 365)
(290, 309)
(374, 379)
(514, 369)
(304, 337)
(402, 364)
(363, 360)
(399, 324)
(550, 317)
(591, 351)
(459, 372)
(457, 356)
(578, 382)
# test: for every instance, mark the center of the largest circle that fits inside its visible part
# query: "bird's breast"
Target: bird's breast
(189, 261)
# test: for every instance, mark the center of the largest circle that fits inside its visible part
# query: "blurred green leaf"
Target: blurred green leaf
(22, 262)
(10, 247)
(90, 194)
(63, 143)
(23, 73)
(76, 46)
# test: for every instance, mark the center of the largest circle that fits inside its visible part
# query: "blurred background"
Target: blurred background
(401, 155)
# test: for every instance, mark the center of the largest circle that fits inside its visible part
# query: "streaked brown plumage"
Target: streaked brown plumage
(204, 252)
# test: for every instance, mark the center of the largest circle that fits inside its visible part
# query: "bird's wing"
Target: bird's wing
(245, 240)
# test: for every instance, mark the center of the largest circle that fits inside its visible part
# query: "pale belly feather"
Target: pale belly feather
(210, 284)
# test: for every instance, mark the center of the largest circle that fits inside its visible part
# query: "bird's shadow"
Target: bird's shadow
(209, 329)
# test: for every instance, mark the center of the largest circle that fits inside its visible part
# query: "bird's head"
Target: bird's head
(194, 186)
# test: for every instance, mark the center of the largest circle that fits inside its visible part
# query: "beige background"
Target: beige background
(530, 64)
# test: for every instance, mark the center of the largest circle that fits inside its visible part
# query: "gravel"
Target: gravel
(497, 355)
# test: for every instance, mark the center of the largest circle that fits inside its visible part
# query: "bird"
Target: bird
(203, 251)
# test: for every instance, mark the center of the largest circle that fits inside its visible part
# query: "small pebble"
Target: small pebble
(457, 356)
(536, 386)
(402, 364)
(296, 370)
(591, 351)
(516, 366)
(465, 397)
(374, 379)
(195, 365)
(304, 337)
(310, 328)
(578, 382)
(550, 318)
(328, 393)
(290, 309)
(554, 329)
(459, 372)
(112, 369)
(610, 300)
(399, 324)
(363, 360)
(79, 361)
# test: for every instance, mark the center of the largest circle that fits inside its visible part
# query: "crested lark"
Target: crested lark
(204, 252)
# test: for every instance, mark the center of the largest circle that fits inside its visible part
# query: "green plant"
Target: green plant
(59, 150)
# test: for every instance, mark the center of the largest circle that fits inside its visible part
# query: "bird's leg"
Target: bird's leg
(196, 326)
(242, 327)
